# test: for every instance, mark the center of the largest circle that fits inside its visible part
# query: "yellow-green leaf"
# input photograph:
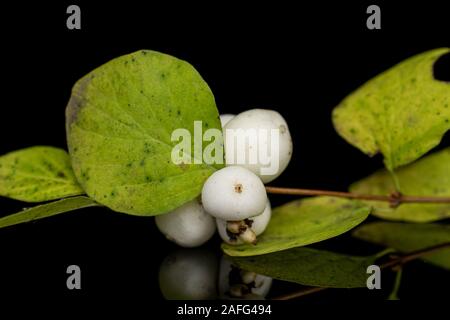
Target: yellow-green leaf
(303, 222)
(120, 121)
(311, 267)
(406, 237)
(429, 176)
(402, 113)
(37, 174)
(47, 210)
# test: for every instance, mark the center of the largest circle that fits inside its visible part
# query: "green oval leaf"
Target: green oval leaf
(47, 210)
(406, 237)
(37, 174)
(429, 176)
(311, 267)
(402, 113)
(303, 222)
(119, 121)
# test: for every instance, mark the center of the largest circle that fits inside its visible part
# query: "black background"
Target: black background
(300, 59)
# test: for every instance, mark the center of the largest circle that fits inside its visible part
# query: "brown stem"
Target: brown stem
(394, 199)
(390, 264)
(413, 255)
(300, 293)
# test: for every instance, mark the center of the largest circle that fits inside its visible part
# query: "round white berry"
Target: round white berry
(260, 153)
(231, 231)
(189, 274)
(225, 118)
(234, 193)
(237, 283)
(188, 226)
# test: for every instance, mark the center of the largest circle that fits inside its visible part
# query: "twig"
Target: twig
(390, 264)
(299, 293)
(394, 198)
(413, 255)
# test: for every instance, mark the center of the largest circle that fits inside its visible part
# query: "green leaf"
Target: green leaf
(37, 174)
(402, 113)
(406, 237)
(303, 222)
(429, 176)
(47, 210)
(120, 120)
(310, 267)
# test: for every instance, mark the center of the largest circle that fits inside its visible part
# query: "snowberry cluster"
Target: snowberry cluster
(234, 196)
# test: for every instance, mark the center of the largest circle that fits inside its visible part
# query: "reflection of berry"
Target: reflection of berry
(189, 274)
(237, 283)
(233, 194)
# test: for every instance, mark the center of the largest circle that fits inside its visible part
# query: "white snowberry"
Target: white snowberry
(225, 118)
(234, 193)
(189, 274)
(237, 283)
(235, 232)
(261, 121)
(188, 225)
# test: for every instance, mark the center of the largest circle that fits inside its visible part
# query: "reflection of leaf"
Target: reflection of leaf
(409, 237)
(303, 222)
(37, 174)
(310, 267)
(47, 210)
(429, 176)
(398, 279)
(403, 112)
(119, 121)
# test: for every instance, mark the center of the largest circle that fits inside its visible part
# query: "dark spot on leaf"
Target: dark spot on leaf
(144, 52)
(183, 166)
(61, 174)
(347, 206)
(77, 100)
